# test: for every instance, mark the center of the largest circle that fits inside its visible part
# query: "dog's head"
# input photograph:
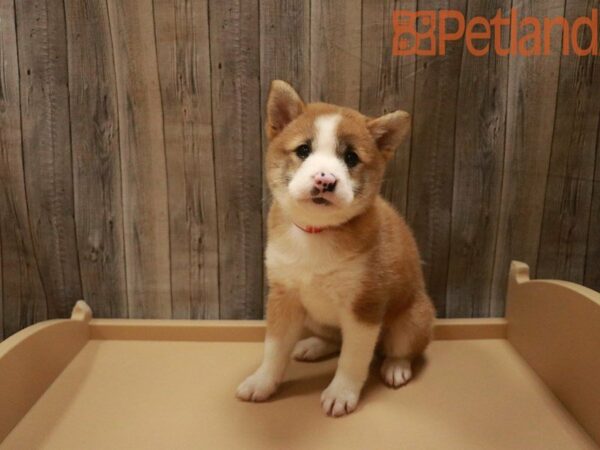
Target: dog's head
(325, 163)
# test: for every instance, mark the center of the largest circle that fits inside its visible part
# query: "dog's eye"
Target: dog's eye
(303, 151)
(351, 158)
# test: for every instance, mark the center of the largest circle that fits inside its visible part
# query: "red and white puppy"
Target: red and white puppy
(340, 261)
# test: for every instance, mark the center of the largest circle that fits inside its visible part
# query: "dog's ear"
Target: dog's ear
(283, 105)
(389, 131)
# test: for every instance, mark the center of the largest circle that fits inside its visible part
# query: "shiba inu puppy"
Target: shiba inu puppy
(340, 261)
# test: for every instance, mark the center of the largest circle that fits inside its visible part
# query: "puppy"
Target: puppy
(340, 261)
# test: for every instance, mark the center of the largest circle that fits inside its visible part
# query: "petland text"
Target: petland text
(428, 32)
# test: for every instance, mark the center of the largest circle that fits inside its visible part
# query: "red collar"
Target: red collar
(310, 229)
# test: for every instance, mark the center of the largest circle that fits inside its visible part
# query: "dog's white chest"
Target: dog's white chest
(328, 278)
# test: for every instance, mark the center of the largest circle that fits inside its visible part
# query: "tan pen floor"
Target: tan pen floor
(475, 394)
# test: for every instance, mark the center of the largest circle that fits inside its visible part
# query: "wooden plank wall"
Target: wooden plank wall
(131, 162)
(478, 166)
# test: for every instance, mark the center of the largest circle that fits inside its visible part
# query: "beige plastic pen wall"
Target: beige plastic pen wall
(534, 373)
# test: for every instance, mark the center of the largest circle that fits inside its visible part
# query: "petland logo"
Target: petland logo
(428, 32)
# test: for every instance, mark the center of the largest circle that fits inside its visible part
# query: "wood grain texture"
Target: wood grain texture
(532, 90)
(184, 69)
(387, 83)
(22, 297)
(429, 208)
(143, 165)
(284, 55)
(567, 203)
(1, 296)
(42, 48)
(479, 154)
(335, 51)
(592, 271)
(284, 46)
(234, 41)
(96, 158)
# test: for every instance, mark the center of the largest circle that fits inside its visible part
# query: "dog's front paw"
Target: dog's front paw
(256, 388)
(340, 398)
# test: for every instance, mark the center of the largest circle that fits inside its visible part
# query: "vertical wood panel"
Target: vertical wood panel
(479, 153)
(592, 271)
(22, 298)
(335, 47)
(284, 55)
(47, 149)
(284, 46)
(234, 36)
(1, 293)
(143, 166)
(532, 91)
(184, 70)
(387, 83)
(96, 158)
(429, 207)
(562, 252)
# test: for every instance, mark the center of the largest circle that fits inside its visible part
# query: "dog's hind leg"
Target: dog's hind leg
(404, 338)
(326, 342)
(314, 348)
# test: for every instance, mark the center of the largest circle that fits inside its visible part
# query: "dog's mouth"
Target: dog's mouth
(320, 201)
(316, 195)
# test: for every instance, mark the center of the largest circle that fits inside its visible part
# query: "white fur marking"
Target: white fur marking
(326, 276)
(326, 133)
